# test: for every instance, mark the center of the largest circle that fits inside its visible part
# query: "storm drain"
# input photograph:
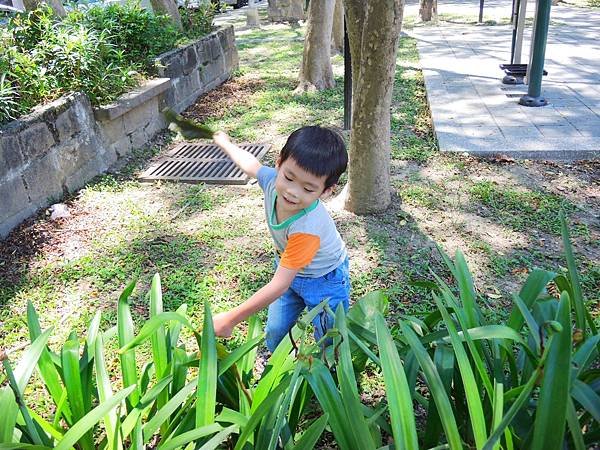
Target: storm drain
(201, 163)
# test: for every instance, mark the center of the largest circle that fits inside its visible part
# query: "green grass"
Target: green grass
(521, 209)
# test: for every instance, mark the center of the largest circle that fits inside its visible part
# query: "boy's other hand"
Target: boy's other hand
(221, 139)
(223, 324)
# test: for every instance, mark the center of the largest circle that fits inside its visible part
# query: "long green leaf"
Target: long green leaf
(104, 393)
(329, 398)
(587, 397)
(577, 300)
(189, 436)
(498, 408)
(74, 386)
(468, 378)
(219, 438)
(45, 366)
(398, 393)
(575, 427)
(126, 333)
(151, 325)
(207, 374)
(23, 372)
(554, 393)
(265, 407)
(239, 353)
(312, 434)
(158, 338)
(348, 386)
(165, 412)
(84, 425)
(534, 285)
(438, 392)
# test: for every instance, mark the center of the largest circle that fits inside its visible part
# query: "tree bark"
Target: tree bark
(373, 31)
(56, 6)
(168, 7)
(286, 11)
(316, 73)
(428, 10)
(337, 31)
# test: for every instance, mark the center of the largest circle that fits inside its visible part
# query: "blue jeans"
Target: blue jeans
(307, 292)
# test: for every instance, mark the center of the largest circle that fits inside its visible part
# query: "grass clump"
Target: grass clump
(521, 209)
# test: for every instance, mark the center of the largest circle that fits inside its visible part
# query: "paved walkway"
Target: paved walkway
(474, 112)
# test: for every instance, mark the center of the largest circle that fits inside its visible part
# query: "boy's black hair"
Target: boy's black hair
(318, 150)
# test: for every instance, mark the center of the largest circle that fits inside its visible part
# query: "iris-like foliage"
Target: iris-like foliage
(531, 383)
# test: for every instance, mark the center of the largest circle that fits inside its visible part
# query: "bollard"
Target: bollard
(538, 54)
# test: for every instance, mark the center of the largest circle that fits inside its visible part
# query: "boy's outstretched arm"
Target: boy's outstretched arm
(243, 159)
(225, 322)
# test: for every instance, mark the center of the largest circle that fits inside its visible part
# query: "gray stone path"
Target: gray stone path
(474, 112)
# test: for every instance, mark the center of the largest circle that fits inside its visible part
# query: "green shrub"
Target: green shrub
(100, 50)
(531, 383)
(131, 29)
(198, 20)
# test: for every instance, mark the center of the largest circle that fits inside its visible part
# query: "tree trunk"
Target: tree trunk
(168, 7)
(373, 31)
(56, 6)
(337, 32)
(316, 72)
(428, 10)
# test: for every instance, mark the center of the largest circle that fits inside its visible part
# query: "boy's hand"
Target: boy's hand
(221, 139)
(223, 324)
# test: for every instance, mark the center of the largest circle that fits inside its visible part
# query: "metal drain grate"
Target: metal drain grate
(201, 163)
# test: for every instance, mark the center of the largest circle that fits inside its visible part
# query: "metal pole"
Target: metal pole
(347, 81)
(520, 30)
(480, 11)
(538, 53)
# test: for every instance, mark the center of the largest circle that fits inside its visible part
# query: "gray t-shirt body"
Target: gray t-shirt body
(311, 222)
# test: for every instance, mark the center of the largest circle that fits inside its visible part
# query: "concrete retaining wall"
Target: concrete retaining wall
(59, 147)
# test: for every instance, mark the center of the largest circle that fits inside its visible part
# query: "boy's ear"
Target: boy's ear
(328, 191)
(278, 161)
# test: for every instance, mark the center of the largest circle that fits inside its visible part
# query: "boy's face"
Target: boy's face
(296, 188)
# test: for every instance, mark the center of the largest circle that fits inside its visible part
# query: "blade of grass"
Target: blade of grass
(104, 393)
(158, 339)
(577, 299)
(434, 382)
(73, 385)
(398, 394)
(125, 331)
(207, 373)
(587, 397)
(80, 428)
(45, 366)
(554, 393)
(575, 427)
(473, 396)
(498, 408)
(312, 434)
(189, 436)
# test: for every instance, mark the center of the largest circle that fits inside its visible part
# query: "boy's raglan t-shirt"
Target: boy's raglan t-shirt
(309, 240)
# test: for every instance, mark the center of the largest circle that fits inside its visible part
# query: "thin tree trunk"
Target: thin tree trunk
(337, 31)
(373, 31)
(428, 10)
(316, 72)
(168, 7)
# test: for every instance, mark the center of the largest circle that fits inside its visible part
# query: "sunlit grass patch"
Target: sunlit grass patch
(521, 209)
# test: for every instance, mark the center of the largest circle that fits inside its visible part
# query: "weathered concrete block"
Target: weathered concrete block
(112, 130)
(11, 158)
(132, 99)
(140, 116)
(212, 71)
(44, 180)
(187, 86)
(190, 60)
(35, 140)
(13, 196)
(122, 147)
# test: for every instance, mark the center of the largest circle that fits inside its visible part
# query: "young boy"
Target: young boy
(312, 262)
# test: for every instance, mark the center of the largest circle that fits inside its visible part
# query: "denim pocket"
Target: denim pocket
(337, 276)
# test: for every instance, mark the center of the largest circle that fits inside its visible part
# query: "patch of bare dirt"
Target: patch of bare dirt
(233, 93)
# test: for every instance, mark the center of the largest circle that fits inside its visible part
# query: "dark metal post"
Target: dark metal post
(347, 81)
(534, 91)
(480, 11)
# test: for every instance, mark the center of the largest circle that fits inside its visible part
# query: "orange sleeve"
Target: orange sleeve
(300, 250)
